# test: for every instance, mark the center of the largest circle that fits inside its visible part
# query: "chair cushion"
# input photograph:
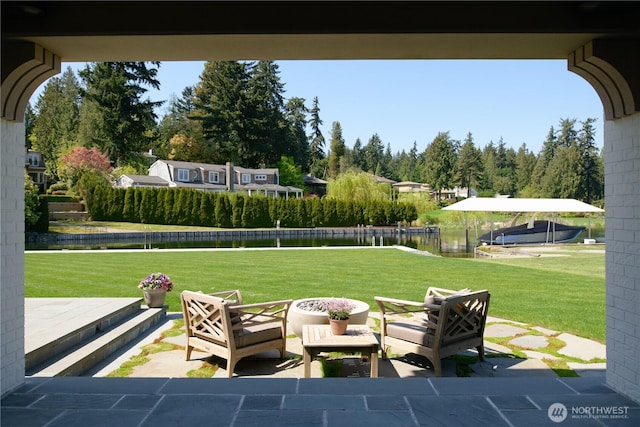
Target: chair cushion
(437, 299)
(411, 332)
(256, 334)
(432, 315)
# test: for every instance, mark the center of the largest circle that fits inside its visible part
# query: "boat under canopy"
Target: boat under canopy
(534, 232)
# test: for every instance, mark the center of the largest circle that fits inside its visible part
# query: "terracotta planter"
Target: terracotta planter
(154, 298)
(338, 327)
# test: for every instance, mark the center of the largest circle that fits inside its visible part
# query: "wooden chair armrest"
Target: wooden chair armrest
(394, 306)
(264, 312)
(396, 301)
(231, 295)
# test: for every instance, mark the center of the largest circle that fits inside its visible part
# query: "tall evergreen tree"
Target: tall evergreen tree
(115, 118)
(55, 126)
(296, 116)
(547, 153)
(590, 185)
(356, 152)
(440, 163)
(469, 165)
(372, 153)
(223, 108)
(271, 130)
(525, 163)
(337, 150)
(316, 140)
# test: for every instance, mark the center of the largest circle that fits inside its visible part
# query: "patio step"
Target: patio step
(95, 342)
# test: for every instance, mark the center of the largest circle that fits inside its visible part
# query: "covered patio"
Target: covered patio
(600, 41)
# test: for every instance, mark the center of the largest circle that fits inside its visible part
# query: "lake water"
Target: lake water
(447, 242)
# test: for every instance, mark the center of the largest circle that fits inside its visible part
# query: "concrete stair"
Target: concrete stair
(77, 351)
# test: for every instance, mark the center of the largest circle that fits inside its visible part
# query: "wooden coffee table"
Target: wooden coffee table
(359, 338)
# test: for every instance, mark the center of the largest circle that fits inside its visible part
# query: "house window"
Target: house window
(246, 178)
(183, 175)
(260, 177)
(213, 176)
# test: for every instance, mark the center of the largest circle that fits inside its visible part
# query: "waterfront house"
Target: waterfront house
(211, 177)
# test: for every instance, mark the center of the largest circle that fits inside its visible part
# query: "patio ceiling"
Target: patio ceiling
(216, 30)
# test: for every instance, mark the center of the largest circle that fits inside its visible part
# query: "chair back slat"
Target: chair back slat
(205, 317)
(465, 317)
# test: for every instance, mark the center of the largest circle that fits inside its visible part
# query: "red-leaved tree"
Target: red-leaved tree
(79, 160)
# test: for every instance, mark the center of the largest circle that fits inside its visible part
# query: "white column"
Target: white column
(12, 254)
(622, 198)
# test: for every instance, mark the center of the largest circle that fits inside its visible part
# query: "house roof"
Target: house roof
(312, 180)
(192, 165)
(147, 179)
(490, 204)
(382, 179)
(240, 169)
(407, 184)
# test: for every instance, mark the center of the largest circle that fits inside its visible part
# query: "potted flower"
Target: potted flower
(339, 310)
(154, 288)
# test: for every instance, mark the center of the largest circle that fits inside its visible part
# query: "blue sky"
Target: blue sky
(407, 101)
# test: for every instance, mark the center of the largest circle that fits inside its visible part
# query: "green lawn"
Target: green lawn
(562, 293)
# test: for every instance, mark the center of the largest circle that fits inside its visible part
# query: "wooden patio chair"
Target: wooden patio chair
(221, 325)
(446, 323)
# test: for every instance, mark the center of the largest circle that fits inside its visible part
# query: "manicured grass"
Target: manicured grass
(538, 291)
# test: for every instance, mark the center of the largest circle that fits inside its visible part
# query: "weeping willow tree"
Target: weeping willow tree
(358, 187)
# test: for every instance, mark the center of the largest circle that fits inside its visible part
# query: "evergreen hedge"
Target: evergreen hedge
(181, 206)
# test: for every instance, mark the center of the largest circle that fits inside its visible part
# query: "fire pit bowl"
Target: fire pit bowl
(306, 312)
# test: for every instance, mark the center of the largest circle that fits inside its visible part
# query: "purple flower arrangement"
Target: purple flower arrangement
(156, 281)
(339, 308)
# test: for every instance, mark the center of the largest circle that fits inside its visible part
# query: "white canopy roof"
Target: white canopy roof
(490, 204)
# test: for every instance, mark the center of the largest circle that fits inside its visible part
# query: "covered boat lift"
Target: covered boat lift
(526, 205)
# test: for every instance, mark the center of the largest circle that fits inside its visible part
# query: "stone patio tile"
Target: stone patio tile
(505, 386)
(588, 369)
(25, 417)
(98, 418)
(248, 386)
(374, 386)
(369, 418)
(77, 401)
(266, 402)
(91, 385)
(455, 411)
(588, 385)
(138, 401)
(586, 400)
(499, 330)
(540, 417)
(512, 402)
(194, 410)
(323, 401)
(290, 418)
(545, 331)
(20, 400)
(582, 348)
(530, 341)
(390, 402)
